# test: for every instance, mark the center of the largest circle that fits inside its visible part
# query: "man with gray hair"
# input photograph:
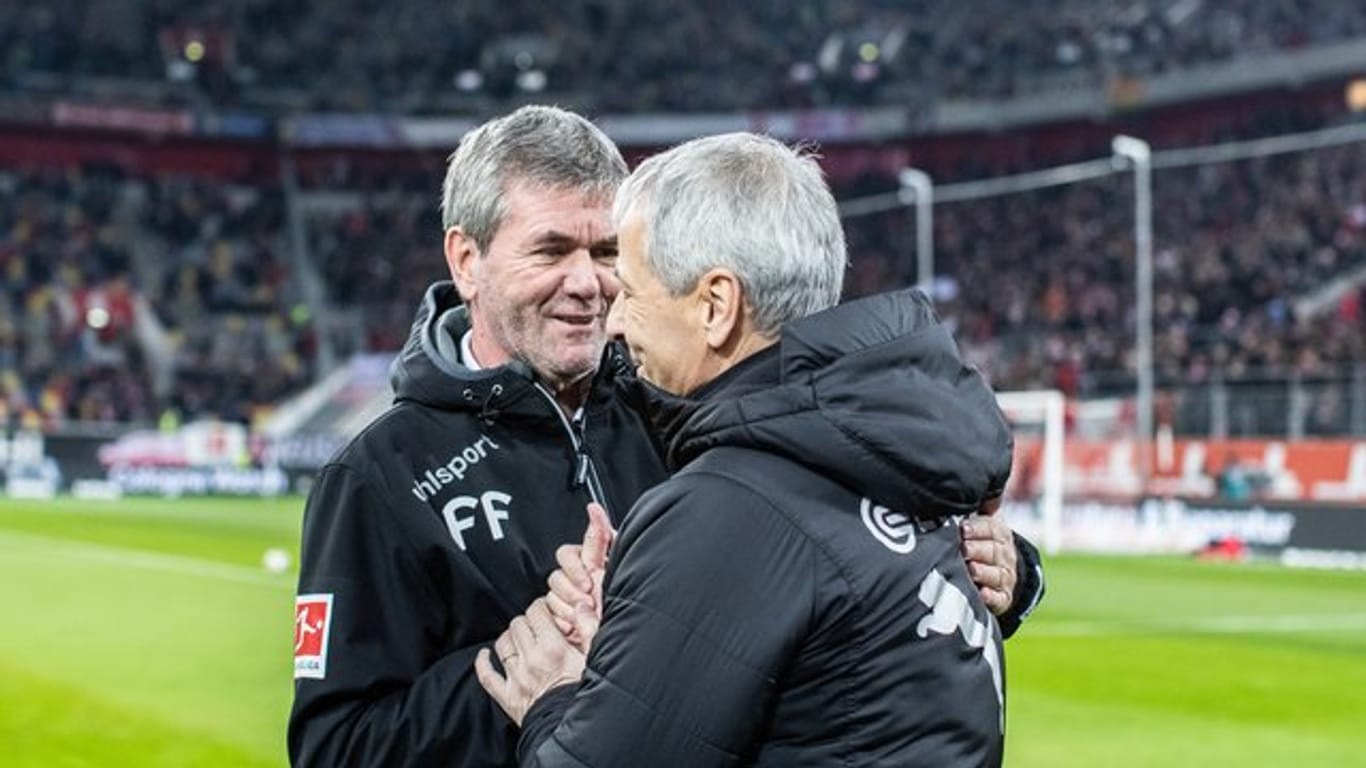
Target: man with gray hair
(794, 594)
(446, 517)
(441, 520)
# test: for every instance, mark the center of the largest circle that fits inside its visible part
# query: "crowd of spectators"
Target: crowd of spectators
(129, 297)
(1040, 285)
(1003, 48)
(242, 336)
(618, 55)
(63, 261)
(377, 258)
(126, 299)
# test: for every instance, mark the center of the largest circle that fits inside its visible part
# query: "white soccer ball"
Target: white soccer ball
(275, 560)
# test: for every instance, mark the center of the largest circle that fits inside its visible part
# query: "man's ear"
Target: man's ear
(462, 258)
(722, 301)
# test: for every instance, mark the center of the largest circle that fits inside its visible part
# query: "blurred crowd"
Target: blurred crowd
(147, 297)
(143, 299)
(1040, 285)
(617, 55)
(377, 258)
(129, 298)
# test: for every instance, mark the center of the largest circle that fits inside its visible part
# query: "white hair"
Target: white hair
(537, 144)
(746, 203)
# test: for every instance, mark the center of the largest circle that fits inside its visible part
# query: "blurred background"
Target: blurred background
(1145, 220)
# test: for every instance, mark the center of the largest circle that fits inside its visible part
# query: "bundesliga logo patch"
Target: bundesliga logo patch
(312, 619)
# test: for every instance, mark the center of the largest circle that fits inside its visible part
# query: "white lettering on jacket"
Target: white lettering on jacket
(433, 480)
(494, 505)
(949, 611)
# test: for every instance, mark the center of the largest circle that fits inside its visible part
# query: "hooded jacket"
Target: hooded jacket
(794, 595)
(429, 533)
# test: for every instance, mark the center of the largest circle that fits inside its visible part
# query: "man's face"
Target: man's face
(541, 290)
(664, 333)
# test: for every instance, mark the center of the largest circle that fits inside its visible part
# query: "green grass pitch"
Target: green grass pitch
(147, 633)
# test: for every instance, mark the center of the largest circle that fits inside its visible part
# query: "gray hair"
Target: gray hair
(746, 203)
(542, 145)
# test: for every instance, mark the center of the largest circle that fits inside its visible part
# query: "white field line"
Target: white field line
(1210, 625)
(96, 508)
(47, 550)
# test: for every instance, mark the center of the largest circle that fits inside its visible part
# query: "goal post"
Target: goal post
(1037, 419)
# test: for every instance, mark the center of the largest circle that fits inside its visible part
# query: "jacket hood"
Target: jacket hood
(872, 394)
(428, 369)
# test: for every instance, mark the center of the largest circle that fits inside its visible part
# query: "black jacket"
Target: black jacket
(432, 530)
(795, 595)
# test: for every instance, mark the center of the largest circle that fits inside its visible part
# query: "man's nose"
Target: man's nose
(583, 276)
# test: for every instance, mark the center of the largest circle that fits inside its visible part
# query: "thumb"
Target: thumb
(597, 540)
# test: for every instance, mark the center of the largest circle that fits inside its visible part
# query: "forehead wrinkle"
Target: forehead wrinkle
(583, 236)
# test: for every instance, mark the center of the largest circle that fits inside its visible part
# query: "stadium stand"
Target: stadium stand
(409, 57)
(126, 298)
(1040, 284)
(136, 289)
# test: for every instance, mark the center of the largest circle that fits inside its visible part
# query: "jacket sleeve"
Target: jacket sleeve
(709, 597)
(391, 693)
(1029, 587)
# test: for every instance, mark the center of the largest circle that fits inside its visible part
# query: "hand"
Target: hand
(535, 658)
(575, 598)
(989, 547)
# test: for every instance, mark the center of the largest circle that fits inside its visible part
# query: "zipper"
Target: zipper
(585, 470)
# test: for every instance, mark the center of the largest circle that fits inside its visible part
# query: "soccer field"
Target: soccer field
(147, 633)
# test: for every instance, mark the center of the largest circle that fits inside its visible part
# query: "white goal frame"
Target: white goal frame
(1047, 407)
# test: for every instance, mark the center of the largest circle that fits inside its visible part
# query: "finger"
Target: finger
(541, 620)
(996, 600)
(567, 628)
(562, 586)
(504, 645)
(985, 528)
(1001, 539)
(586, 623)
(976, 527)
(986, 575)
(982, 552)
(596, 604)
(559, 607)
(1010, 554)
(598, 538)
(488, 677)
(523, 638)
(571, 561)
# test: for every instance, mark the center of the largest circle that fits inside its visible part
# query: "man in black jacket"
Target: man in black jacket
(441, 521)
(794, 595)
